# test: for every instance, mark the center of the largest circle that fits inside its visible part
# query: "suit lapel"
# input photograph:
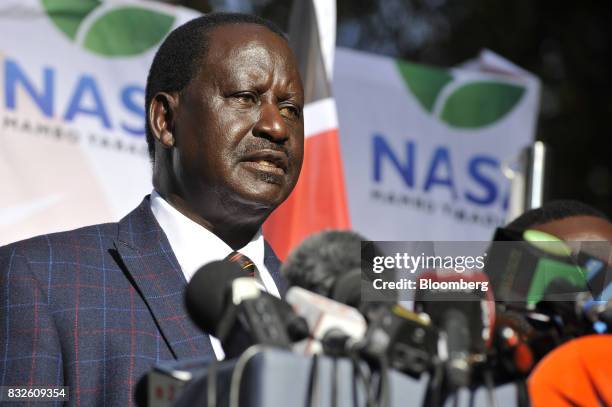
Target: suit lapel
(155, 272)
(273, 265)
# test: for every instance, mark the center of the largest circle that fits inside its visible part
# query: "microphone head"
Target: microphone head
(207, 293)
(347, 289)
(333, 264)
(321, 259)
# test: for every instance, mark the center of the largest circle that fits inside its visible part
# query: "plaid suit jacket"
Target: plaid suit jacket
(95, 308)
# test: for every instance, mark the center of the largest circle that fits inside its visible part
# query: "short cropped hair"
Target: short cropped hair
(181, 54)
(554, 210)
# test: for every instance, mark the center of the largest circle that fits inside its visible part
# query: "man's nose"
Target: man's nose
(271, 124)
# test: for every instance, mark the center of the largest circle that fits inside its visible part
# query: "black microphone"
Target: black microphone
(461, 306)
(330, 263)
(224, 303)
(406, 339)
(206, 293)
(324, 276)
(335, 264)
(321, 262)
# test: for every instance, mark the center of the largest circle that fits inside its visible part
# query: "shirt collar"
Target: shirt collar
(194, 245)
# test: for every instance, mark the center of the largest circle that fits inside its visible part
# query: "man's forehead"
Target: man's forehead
(228, 38)
(579, 228)
(249, 52)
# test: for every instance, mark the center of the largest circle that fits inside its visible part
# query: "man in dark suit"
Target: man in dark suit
(97, 307)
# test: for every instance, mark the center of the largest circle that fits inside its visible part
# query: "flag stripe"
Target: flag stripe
(320, 116)
(318, 201)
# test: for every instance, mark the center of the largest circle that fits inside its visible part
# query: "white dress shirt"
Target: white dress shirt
(194, 246)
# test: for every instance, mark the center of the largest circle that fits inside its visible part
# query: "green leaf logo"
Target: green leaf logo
(127, 31)
(67, 15)
(479, 104)
(470, 106)
(425, 83)
(118, 32)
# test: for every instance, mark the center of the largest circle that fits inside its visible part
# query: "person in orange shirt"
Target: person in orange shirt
(579, 372)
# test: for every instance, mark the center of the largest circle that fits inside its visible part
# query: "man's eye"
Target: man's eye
(290, 111)
(247, 98)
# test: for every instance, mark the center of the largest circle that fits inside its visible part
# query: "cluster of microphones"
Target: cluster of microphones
(541, 297)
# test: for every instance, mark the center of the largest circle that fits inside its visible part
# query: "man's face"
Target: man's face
(239, 127)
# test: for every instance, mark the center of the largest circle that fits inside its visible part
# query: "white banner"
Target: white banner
(422, 146)
(72, 79)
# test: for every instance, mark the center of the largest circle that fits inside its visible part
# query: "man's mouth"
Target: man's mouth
(268, 161)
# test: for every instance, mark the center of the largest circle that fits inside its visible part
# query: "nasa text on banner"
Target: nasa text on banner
(72, 84)
(422, 146)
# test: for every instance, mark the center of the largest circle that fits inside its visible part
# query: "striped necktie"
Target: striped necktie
(244, 262)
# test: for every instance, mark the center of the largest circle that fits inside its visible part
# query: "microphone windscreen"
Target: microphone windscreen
(321, 259)
(206, 293)
(578, 373)
(347, 289)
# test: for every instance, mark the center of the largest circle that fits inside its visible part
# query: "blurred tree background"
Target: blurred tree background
(566, 43)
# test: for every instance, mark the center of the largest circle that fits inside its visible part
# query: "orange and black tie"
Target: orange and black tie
(244, 262)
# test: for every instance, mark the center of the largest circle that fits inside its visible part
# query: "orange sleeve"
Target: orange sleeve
(578, 373)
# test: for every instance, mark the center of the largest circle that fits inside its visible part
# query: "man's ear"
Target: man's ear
(162, 113)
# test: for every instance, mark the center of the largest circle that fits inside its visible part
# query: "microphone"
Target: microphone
(562, 295)
(323, 262)
(584, 311)
(330, 264)
(324, 273)
(163, 384)
(517, 346)
(334, 264)
(406, 339)
(335, 327)
(205, 296)
(233, 308)
(597, 271)
(521, 266)
(461, 306)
